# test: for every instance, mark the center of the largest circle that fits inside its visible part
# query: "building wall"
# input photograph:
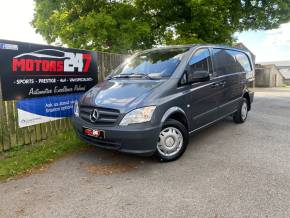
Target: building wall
(262, 78)
(286, 82)
(285, 71)
(268, 76)
(276, 79)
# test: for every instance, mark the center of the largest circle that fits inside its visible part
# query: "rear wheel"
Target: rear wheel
(241, 114)
(172, 142)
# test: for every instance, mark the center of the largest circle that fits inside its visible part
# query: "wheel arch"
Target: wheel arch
(246, 95)
(176, 113)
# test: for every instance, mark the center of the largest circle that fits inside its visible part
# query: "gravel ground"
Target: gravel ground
(228, 170)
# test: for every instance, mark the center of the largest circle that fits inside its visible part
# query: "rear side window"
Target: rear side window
(224, 62)
(243, 62)
(230, 61)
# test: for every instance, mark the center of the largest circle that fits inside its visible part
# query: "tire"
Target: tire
(170, 146)
(240, 116)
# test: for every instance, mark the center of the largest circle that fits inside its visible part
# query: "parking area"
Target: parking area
(228, 170)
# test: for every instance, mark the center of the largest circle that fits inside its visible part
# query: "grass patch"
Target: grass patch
(23, 159)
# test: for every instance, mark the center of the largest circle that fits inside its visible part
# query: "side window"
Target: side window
(198, 68)
(200, 61)
(243, 62)
(224, 62)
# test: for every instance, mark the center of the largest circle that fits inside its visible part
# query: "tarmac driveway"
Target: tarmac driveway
(228, 170)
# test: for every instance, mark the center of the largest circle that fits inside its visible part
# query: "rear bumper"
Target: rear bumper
(136, 139)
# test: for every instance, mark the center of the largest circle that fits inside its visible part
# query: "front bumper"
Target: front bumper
(136, 138)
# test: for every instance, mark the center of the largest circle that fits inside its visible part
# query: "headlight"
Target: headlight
(76, 109)
(139, 115)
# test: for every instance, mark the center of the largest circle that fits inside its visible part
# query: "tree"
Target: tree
(123, 25)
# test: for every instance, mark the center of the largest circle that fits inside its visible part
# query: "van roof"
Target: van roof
(197, 45)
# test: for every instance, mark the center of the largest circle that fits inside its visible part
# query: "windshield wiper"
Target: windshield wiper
(121, 76)
(135, 75)
(142, 75)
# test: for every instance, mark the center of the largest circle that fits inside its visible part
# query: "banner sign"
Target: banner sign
(40, 110)
(32, 71)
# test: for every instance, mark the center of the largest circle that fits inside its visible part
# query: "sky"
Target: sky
(16, 15)
(270, 45)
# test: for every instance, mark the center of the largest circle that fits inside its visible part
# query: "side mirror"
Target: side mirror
(197, 76)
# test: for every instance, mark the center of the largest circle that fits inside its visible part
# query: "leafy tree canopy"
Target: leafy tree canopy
(123, 25)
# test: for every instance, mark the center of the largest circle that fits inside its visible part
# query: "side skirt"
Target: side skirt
(211, 123)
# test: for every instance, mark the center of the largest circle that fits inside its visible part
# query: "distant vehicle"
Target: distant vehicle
(45, 53)
(152, 102)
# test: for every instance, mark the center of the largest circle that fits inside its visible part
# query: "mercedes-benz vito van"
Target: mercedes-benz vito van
(152, 102)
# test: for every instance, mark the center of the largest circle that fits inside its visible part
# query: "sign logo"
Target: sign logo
(51, 60)
(94, 116)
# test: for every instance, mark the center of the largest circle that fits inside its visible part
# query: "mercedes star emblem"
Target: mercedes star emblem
(94, 116)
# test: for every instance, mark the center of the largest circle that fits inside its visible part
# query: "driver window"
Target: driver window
(200, 61)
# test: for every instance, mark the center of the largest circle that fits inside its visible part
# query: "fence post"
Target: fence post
(4, 126)
(1, 119)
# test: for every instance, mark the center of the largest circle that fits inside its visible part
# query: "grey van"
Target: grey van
(152, 102)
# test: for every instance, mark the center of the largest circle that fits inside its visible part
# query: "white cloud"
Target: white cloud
(269, 45)
(278, 37)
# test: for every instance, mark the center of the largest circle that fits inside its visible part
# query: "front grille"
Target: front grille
(107, 116)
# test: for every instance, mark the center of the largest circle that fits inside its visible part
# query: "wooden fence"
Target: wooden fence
(11, 135)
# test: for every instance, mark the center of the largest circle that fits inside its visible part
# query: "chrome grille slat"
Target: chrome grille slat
(107, 116)
(107, 120)
(109, 113)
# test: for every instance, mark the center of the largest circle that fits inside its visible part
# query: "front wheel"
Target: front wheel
(172, 142)
(241, 114)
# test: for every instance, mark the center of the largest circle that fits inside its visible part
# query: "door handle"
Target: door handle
(214, 85)
(222, 83)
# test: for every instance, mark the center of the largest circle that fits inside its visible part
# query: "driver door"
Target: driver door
(204, 95)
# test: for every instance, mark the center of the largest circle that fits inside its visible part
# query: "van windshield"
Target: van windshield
(155, 64)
